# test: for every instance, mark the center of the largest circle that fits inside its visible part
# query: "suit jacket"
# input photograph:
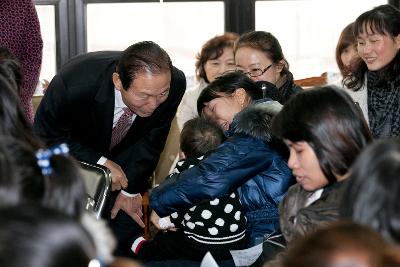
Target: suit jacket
(78, 109)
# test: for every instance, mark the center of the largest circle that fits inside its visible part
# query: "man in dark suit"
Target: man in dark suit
(115, 109)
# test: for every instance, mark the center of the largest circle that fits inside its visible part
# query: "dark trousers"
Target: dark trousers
(171, 245)
(125, 229)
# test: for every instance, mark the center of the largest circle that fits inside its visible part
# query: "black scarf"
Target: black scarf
(383, 106)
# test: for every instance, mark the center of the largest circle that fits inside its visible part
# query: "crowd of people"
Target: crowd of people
(315, 170)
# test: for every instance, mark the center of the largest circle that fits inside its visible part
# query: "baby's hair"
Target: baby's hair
(200, 136)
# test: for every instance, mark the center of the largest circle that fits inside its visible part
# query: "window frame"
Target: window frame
(70, 16)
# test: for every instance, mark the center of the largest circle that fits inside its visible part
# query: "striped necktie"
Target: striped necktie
(121, 128)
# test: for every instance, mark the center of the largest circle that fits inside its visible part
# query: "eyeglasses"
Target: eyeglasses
(256, 72)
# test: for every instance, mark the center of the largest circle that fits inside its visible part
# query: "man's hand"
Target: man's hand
(118, 177)
(130, 205)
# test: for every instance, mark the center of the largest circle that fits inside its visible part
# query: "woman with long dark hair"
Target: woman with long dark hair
(377, 71)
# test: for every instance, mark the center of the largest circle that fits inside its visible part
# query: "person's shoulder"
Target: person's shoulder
(178, 81)
(93, 58)
(193, 92)
(255, 120)
(335, 190)
(241, 147)
(295, 190)
(177, 74)
(296, 88)
(89, 65)
(198, 87)
(20, 5)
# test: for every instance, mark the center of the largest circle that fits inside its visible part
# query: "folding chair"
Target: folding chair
(97, 180)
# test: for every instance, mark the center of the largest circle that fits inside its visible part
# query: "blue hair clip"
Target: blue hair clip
(43, 157)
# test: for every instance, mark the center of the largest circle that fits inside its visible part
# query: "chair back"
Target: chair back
(313, 81)
(97, 179)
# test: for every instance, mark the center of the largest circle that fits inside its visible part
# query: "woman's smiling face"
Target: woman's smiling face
(377, 50)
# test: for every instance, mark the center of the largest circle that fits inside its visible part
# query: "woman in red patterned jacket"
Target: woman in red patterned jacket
(20, 33)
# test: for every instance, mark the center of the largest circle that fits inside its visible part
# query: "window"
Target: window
(308, 30)
(178, 27)
(46, 14)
